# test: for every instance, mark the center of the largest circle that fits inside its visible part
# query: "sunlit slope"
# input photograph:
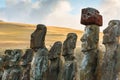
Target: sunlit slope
(17, 35)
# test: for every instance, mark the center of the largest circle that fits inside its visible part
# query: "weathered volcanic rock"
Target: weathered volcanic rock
(111, 58)
(26, 64)
(38, 37)
(70, 67)
(90, 16)
(56, 62)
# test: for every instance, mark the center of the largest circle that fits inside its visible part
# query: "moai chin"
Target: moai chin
(111, 60)
(26, 64)
(40, 65)
(92, 20)
(70, 68)
(12, 69)
(56, 62)
(38, 37)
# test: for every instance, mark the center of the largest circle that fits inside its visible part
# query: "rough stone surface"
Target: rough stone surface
(111, 42)
(90, 16)
(90, 50)
(38, 37)
(40, 65)
(1, 66)
(56, 62)
(12, 69)
(69, 44)
(70, 68)
(90, 38)
(26, 64)
(55, 50)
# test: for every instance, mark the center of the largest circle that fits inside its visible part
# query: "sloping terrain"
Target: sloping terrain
(17, 35)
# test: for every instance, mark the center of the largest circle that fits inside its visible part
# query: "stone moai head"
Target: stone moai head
(38, 37)
(55, 50)
(16, 56)
(112, 32)
(90, 38)
(7, 57)
(27, 57)
(69, 44)
(91, 18)
(12, 57)
(8, 53)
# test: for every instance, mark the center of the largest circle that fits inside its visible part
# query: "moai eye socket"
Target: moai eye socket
(91, 29)
(88, 14)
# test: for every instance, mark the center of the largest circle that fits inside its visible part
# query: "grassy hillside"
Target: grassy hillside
(17, 35)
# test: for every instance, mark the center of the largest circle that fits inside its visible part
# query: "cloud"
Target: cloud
(110, 9)
(55, 12)
(61, 17)
(49, 12)
(27, 11)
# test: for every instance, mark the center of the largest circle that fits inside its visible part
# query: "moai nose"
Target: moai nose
(83, 39)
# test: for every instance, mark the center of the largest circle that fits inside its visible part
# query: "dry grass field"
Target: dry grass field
(16, 35)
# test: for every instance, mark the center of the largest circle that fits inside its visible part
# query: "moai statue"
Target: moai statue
(6, 66)
(40, 65)
(91, 18)
(26, 64)
(38, 37)
(12, 69)
(111, 42)
(1, 66)
(56, 62)
(70, 68)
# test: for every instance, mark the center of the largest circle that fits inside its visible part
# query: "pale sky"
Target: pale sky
(62, 13)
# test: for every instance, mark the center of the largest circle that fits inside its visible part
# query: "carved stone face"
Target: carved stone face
(16, 56)
(27, 57)
(90, 38)
(69, 44)
(56, 50)
(111, 32)
(12, 57)
(38, 37)
(8, 53)
(72, 38)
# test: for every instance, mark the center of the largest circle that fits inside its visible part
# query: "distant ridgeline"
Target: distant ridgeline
(1, 21)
